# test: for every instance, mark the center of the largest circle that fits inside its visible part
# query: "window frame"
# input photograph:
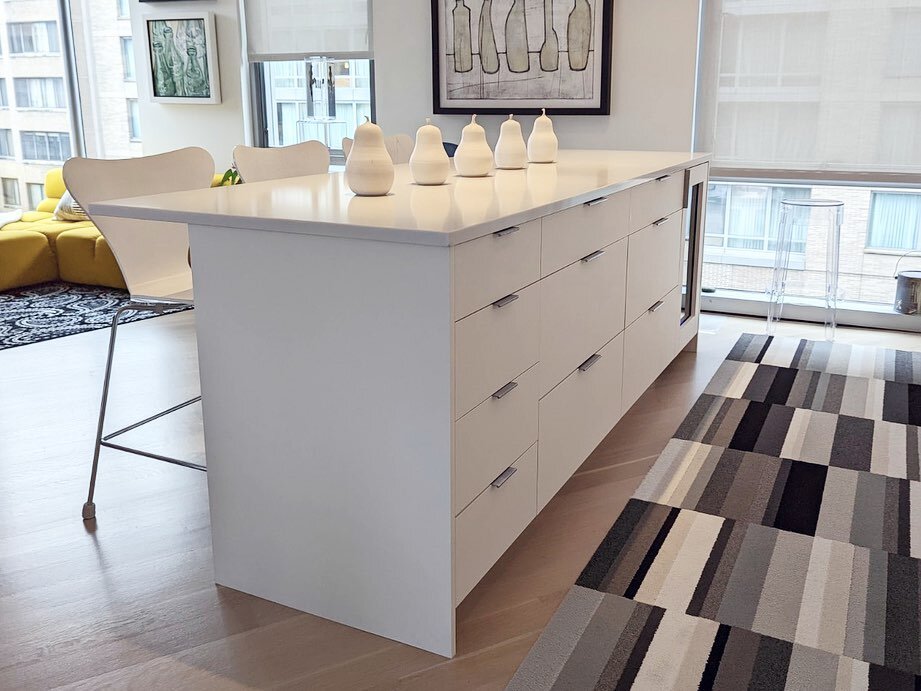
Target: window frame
(52, 35)
(3, 190)
(47, 135)
(57, 89)
(126, 43)
(874, 249)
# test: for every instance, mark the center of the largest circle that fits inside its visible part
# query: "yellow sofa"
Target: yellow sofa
(40, 248)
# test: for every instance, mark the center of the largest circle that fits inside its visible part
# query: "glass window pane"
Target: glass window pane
(895, 221)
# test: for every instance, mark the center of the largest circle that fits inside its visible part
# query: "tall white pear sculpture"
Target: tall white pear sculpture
(369, 168)
(429, 162)
(473, 158)
(542, 144)
(511, 152)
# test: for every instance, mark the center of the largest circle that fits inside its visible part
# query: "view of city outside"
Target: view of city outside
(814, 85)
(36, 132)
(316, 99)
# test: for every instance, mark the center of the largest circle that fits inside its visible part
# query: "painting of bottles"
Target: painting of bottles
(518, 56)
(182, 59)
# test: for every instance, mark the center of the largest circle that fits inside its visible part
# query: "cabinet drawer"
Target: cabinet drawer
(493, 266)
(654, 266)
(576, 416)
(491, 436)
(493, 346)
(656, 199)
(486, 528)
(650, 344)
(571, 234)
(581, 309)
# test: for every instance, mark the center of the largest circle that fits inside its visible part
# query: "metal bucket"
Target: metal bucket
(908, 289)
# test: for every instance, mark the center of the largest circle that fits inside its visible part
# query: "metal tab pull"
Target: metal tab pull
(664, 177)
(655, 307)
(507, 300)
(507, 389)
(596, 202)
(661, 221)
(506, 231)
(504, 477)
(588, 364)
(593, 256)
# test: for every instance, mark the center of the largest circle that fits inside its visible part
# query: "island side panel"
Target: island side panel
(326, 381)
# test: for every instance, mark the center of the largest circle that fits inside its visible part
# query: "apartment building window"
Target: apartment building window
(905, 43)
(36, 193)
(746, 217)
(4, 97)
(33, 38)
(6, 144)
(10, 191)
(123, 12)
(128, 58)
(40, 92)
(134, 120)
(895, 221)
(45, 146)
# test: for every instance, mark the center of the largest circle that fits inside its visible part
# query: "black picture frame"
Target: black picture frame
(603, 108)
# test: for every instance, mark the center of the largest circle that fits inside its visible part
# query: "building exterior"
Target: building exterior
(36, 125)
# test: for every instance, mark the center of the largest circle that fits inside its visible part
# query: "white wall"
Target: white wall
(653, 77)
(217, 128)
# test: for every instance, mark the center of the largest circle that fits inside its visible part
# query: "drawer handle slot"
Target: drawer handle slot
(506, 231)
(588, 364)
(507, 300)
(596, 202)
(662, 221)
(504, 477)
(655, 307)
(593, 256)
(664, 177)
(505, 390)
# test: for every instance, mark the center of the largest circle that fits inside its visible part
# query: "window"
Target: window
(747, 217)
(45, 146)
(895, 221)
(33, 37)
(10, 191)
(40, 92)
(122, 9)
(905, 43)
(128, 58)
(36, 193)
(4, 98)
(6, 144)
(134, 120)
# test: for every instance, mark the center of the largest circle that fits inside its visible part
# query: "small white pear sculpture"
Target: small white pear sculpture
(473, 158)
(369, 168)
(429, 162)
(511, 152)
(542, 144)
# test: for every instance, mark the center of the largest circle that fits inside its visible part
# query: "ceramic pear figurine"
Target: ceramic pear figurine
(369, 168)
(542, 144)
(473, 158)
(429, 162)
(511, 152)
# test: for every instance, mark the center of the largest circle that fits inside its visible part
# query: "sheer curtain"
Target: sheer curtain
(294, 29)
(831, 88)
(895, 221)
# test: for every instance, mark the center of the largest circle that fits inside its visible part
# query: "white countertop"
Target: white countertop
(460, 210)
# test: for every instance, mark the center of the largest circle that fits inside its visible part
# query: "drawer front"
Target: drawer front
(571, 234)
(576, 416)
(581, 309)
(493, 346)
(491, 436)
(650, 344)
(654, 266)
(486, 528)
(493, 266)
(656, 199)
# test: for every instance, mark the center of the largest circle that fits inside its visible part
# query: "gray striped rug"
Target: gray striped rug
(774, 544)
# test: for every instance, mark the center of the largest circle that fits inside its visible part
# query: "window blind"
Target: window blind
(293, 29)
(811, 89)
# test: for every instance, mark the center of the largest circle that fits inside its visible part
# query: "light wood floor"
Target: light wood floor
(130, 602)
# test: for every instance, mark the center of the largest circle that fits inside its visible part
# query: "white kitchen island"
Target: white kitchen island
(394, 387)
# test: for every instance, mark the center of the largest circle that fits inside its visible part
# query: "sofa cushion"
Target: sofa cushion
(33, 216)
(25, 258)
(50, 228)
(84, 256)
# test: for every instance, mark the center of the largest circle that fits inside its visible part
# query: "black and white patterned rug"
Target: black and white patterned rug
(52, 310)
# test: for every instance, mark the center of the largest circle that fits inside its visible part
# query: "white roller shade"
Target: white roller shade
(293, 29)
(830, 87)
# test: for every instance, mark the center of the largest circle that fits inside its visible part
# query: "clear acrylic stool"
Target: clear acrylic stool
(798, 218)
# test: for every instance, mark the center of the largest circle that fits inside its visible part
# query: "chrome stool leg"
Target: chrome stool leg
(89, 508)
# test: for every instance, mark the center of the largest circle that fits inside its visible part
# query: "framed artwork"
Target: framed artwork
(518, 56)
(182, 58)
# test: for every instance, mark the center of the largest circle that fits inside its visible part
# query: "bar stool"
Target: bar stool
(797, 217)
